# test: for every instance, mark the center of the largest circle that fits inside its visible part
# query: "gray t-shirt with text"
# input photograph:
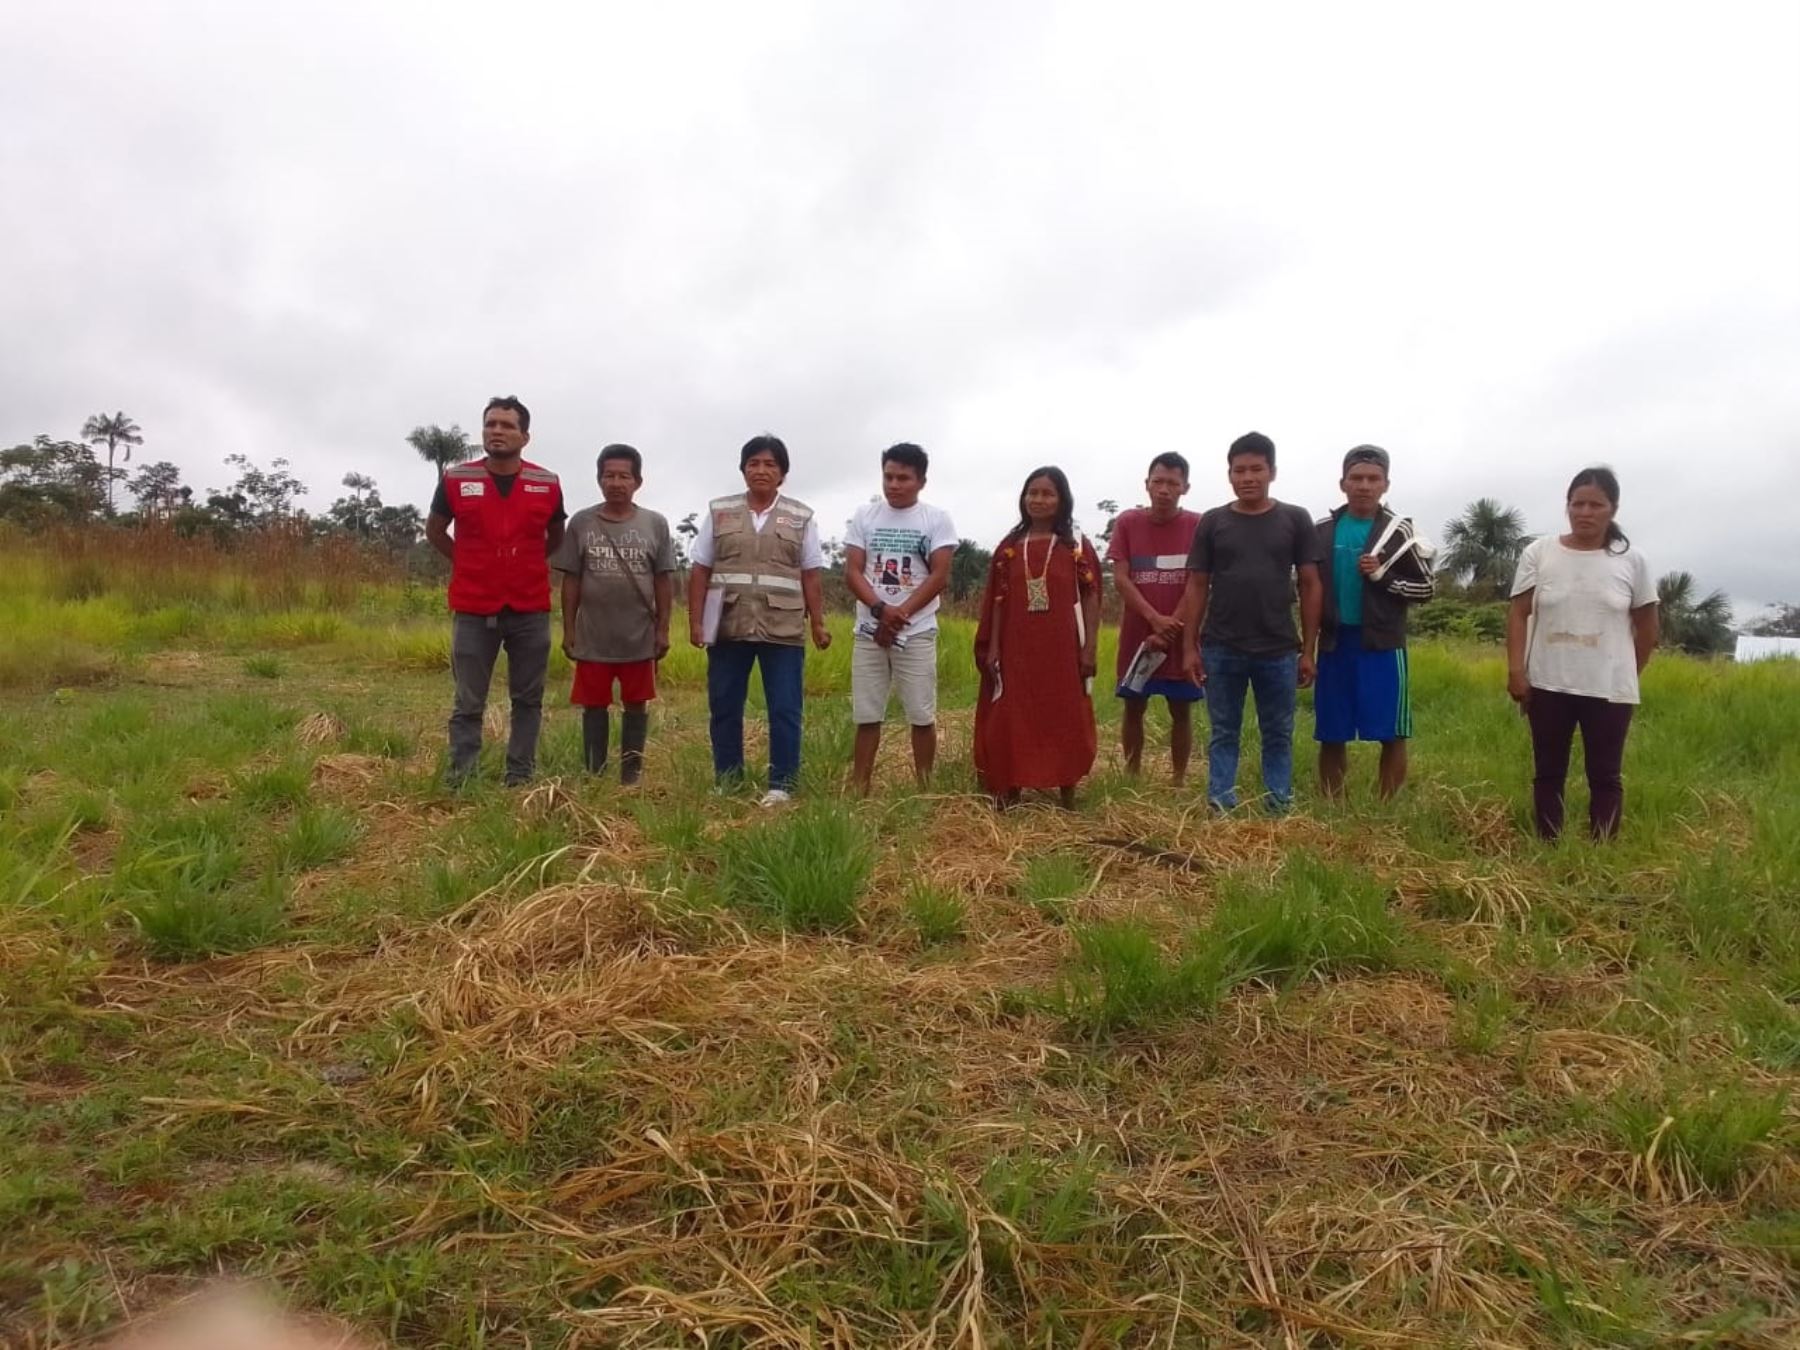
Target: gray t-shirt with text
(617, 561)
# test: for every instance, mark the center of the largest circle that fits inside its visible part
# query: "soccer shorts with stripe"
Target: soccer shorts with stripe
(1361, 695)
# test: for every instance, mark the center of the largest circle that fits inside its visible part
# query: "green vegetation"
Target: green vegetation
(529, 1068)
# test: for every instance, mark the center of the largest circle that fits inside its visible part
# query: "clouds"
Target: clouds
(1502, 244)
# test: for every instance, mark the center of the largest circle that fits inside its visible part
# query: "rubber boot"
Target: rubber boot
(596, 732)
(633, 732)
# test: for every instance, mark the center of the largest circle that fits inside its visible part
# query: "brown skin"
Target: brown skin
(1165, 487)
(1590, 512)
(1250, 477)
(1363, 487)
(504, 440)
(618, 486)
(1042, 503)
(763, 478)
(901, 486)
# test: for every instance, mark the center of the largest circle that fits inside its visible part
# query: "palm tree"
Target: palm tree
(1699, 625)
(1483, 544)
(440, 447)
(115, 430)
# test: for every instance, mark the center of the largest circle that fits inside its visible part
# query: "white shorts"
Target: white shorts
(910, 671)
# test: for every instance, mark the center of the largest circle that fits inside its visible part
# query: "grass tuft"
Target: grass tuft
(185, 922)
(1053, 882)
(1123, 978)
(1312, 918)
(1696, 1140)
(937, 914)
(318, 835)
(806, 868)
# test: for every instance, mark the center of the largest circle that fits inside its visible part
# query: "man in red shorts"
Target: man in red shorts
(616, 561)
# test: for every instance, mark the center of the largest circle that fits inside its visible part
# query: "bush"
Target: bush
(1448, 616)
(806, 868)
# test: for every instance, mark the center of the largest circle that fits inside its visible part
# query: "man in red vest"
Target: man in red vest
(497, 519)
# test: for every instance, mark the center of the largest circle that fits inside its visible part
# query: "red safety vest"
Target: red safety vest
(497, 557)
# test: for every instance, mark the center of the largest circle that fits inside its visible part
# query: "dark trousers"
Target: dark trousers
(728, 686)
(476, 641)
(1554, 720)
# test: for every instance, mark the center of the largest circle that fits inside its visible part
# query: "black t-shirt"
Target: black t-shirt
(503, 484)
(1251, 560)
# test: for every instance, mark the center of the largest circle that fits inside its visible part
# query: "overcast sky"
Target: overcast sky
(1502, 241)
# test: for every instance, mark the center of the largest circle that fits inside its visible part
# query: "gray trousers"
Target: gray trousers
(476, 641)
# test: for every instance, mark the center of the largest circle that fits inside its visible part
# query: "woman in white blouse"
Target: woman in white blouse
(1581, 628)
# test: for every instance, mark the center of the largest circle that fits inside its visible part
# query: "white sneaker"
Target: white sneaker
(776, 797)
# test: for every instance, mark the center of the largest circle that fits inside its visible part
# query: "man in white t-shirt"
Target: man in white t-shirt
(897, 560)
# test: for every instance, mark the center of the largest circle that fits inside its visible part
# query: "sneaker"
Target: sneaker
(776, 797)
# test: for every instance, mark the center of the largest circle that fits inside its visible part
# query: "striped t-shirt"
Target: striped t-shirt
(1158, 555)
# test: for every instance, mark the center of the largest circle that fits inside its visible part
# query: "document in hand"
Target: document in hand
(1143, 666)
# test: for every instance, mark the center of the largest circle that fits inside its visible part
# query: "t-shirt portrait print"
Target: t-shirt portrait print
(897, 548)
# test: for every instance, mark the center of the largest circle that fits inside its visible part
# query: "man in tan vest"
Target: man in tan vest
(752, 591)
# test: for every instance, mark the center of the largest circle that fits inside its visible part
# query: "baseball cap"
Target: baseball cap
(1367, 454)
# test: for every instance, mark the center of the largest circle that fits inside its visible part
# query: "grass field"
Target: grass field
(572, 1066)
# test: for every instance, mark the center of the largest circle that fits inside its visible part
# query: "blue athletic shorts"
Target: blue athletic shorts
(1176, 691)
(1360, 695)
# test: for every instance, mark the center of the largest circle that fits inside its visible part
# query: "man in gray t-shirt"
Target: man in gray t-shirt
(616, 561)
(1247, 560)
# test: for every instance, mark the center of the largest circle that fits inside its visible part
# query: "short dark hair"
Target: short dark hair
(619, 450)
(909, 456)
(765, 444)
(1252, 443)
(1168, 459)
(509, 403)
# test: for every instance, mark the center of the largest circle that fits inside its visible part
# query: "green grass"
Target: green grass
(1705, 1137)
(513, 1069)
(1122, 978)
(1052, 883)
(315, 837)
(182, 921)
(936, 914)
(1312, 918)
(804, 868)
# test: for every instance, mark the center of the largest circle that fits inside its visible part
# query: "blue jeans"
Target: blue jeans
(728, 686)
(1274, 679)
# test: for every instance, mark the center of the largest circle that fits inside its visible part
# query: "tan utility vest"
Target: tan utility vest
(758, 571)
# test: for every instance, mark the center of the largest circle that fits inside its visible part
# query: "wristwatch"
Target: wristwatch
(877, 609)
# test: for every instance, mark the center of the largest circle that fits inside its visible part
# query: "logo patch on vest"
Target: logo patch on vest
(473, 489)
(536, 487)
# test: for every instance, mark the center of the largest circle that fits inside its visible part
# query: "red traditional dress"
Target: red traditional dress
(1034, 726)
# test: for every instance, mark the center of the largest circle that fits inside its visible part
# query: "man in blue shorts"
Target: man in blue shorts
(1374, 573)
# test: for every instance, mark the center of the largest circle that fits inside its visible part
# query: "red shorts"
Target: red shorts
(594, 682)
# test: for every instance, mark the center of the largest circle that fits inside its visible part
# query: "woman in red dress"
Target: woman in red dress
(1036, 644)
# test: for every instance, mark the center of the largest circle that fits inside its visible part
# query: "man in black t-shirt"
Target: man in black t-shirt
(1246, 560)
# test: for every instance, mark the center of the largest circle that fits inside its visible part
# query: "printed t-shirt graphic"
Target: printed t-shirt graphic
(617, 561)
(898, 546)
(1158, 557)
